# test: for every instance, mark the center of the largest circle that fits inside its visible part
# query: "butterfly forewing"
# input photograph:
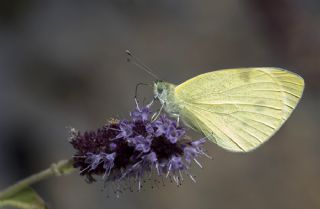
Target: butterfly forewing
(239, 109)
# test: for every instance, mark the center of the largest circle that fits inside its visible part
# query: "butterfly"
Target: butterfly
(238, 109)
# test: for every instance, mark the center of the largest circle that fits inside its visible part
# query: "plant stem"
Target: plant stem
(62, 167)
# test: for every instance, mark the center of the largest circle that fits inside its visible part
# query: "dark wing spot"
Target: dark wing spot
(245, 76)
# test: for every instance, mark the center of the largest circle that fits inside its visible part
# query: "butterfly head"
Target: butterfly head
(161, 90)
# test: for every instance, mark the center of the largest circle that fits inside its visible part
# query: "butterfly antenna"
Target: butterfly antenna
(139, 64)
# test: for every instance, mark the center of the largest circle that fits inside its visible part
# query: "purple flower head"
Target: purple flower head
(173, 134)
(150, 129)
(108, 162)
(108, 159)
(125, 129)
(129, 150)
(142, 114)
(93, 160)
(194, 151)
(151, 157)
(190, 153)
(168, 128)
(162, 125)
(176, 163)
(141, 143)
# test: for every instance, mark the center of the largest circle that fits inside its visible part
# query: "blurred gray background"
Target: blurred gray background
(62, 64)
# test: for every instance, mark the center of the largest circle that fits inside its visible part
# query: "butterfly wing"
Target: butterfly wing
(239, 109)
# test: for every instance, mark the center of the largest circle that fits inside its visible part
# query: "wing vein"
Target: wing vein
(298, 84)
(247, 84)
(273, 90)
(217, 127)
(230, 103)
(251, 127)
(234, 112)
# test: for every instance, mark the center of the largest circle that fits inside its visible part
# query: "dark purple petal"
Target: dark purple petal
(112, 146)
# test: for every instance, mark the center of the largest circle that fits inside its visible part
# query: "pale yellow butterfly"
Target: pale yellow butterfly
(238, 109)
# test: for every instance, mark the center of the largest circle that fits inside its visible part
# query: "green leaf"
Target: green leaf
(24, 199)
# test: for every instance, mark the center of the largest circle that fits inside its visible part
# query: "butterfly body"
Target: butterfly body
(165, 93)
(238, 109)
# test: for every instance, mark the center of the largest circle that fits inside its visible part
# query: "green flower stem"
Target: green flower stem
(63, 167)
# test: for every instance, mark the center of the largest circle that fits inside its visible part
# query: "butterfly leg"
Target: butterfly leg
(157, 114)
(149, 105)
(178, 119)
(137, 103)
(137, 87)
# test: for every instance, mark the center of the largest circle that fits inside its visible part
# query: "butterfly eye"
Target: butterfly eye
(160, 91)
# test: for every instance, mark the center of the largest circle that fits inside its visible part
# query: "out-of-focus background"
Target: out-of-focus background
(62, 64)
